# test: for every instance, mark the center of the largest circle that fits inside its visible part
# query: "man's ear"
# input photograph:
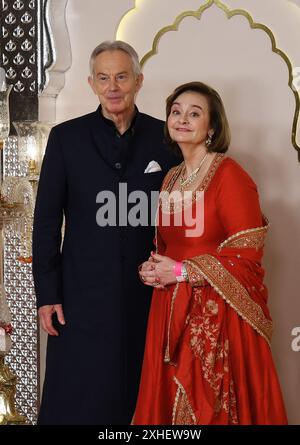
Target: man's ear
(139, 82)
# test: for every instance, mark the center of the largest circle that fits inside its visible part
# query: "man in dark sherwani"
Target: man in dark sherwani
(91, 302)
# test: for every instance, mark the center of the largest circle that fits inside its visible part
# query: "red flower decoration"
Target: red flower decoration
(7, 327)
(25, 260)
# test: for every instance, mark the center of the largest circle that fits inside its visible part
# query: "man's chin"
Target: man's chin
(115, 109)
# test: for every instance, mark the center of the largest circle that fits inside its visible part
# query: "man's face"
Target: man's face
(114, 82)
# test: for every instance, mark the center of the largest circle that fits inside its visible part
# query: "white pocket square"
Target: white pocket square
(152, 167)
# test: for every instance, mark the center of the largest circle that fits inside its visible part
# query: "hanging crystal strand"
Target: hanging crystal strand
(22, 242)
(9, 210)
(23, 191)
(27, 239)
(20, 232)
(8, 381)
(4, 107)
(5, 316)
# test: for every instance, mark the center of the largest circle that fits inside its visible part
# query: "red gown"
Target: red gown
(207, 357)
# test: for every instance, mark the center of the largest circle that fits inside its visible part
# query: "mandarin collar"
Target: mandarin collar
(110, 124)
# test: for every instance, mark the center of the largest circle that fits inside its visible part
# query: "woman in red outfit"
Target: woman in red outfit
(207, 357)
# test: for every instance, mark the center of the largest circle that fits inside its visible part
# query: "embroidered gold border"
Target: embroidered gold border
(173, 174)
(182, 403)
(229, 288)
(195, 278)
(171, 177)
(167, 358)
(253, 25)
(250, 238)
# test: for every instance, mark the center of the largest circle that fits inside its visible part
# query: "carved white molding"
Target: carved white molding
(296, 2)
(164, 19)
(56, 46)
(131, 24)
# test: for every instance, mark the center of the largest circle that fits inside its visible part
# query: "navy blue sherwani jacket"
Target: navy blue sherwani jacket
(93, 366)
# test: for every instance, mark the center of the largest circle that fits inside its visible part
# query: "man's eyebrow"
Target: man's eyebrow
(105, 74)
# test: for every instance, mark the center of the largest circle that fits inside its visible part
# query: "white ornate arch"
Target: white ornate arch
(153, 41)
(56, 56)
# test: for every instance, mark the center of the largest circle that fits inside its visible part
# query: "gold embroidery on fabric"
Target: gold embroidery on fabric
(195, 277)
(207, 345)
(251, 238)
(168, 184)
(233, 293)
(167, 351)
(172, 175)
(182, 410)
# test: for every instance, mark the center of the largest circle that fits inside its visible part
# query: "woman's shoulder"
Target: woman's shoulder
(230, 169)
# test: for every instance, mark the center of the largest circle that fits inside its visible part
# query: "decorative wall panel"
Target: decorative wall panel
(23, 358)
(19, 49)
(26, 53)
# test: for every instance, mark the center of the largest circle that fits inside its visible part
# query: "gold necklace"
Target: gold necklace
(191, 178)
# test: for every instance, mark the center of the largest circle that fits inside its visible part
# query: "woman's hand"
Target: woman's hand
(159, 272)
(147, 273)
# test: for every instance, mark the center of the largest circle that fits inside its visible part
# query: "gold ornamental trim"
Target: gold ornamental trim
(167, 358)
(172, 176)
(253, 25)
(250, 238)
(231, 290)
(183, 413)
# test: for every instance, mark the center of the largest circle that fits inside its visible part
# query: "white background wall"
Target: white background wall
(253, 81)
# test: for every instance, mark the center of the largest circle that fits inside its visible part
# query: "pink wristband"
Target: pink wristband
(178, 268)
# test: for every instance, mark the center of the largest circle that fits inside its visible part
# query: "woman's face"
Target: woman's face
(188, 122)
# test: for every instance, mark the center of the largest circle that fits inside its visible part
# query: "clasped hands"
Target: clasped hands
(158, 271)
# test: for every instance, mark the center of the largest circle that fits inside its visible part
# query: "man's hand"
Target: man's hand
(45, 314)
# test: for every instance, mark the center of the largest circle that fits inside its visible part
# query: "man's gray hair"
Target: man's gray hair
(113, 46)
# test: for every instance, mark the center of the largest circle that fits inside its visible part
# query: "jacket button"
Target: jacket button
(118, 165)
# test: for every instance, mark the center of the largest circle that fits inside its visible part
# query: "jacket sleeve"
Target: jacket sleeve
(48, 218)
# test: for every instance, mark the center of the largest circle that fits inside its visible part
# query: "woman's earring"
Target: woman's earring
(208, 140)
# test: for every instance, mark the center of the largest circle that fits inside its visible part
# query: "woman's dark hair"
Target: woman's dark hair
(217, 116)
